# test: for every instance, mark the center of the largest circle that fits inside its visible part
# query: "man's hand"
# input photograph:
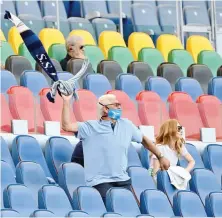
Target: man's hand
(164, 163)
(67, 98)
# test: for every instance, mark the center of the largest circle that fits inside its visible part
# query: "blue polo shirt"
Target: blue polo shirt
(105, 150)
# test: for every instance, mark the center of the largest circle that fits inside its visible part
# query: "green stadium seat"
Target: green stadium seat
(5, 26)
(122, 55)
(151, 56)
(210, 58)
(6, 51)
(182, 58)
(57, 51)
(95, 55)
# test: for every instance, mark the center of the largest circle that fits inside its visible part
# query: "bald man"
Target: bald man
(105, 144)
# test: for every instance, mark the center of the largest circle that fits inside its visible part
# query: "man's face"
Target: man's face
(114, 105)
(77, 50)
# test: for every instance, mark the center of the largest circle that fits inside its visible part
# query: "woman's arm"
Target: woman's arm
(191, 162)
(156, 166)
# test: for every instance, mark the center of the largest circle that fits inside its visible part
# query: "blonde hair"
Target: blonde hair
(169, 131)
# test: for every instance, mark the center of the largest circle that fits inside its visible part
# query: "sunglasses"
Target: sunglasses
(115, 104)
(179, 128)
(81, 47)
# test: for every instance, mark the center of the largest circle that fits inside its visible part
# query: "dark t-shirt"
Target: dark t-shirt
(77, 156)
(64, 62)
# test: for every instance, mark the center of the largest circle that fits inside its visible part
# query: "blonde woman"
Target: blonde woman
(172, 146)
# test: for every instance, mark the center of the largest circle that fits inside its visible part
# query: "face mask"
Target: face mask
(114, 114)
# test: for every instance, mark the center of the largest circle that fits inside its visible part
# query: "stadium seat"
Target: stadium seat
(150, 201)
(213, 202)
(210, 58)
(6, 51)
(182, 58)
(138, 41)
(128, 107)
(2, 36)
(202, 74)
(58, 150)
(85, 108)
(50, 36)
(215, 86)
(97, 83)
(144, 157)
(17, 64)
(7, 178)
(109, 39)
(42, 213)
(5, 26)
(23, 51)
(52, 112)
(121, 55)
(6, 116)
(94, 55)
(186, 112)
(212, 159)
(211, 113)
(87, 37)
(151, 109)
(159, 85)
(78, 213)
(9, 213)
(152, 57)
(64, 75)
(8, 5)
(141, 180)
(14, 39)
(53, 198)
(20, 198)
(21, 97)
(110, 69)
(32, 176)
(140, 69)
(5, 154)
(190, 86)
(204, 182)
(113, 8)
(57, 51)
(89, 200)
(7, 80)
(188, 204)
(34, 81)
(27, 148)
(122, 201)
(196, 44)
(130, 84)
(111, 215)
(70, 177)
(133, 157)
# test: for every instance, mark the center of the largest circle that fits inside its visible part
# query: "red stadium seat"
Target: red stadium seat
(23, 106)
(186, 112)
(152, 110)
(85, 108)
(53, 111)
(6, 116)
(210, 109)
(128, 107)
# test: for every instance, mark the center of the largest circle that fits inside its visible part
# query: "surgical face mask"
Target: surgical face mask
(115, 114)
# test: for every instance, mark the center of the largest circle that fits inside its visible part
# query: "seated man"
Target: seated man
(75, 50)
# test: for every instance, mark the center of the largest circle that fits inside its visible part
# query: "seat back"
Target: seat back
(85, 35)
(57, 51)
(14, 39)
(6, 51)
(133, 157)
(77, 214)
(215, 86)
(213, 202)
(9, 213)
(42, 213)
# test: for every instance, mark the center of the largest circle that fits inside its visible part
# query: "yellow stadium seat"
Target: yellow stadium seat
(2, 36)
(49, 36)
(138, 41)
(14, 39)
(166, 43)
(196, 44)
(87, 37)
(108, 39)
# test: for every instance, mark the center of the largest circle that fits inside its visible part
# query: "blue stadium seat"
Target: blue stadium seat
(9, 6)
(5, 154)
(213, 204)
(58, 150)
(130, 84)
(144, 157)
(195, 154)
(70, 177)
(97, 83)
(7, 80)
(34, 81)
(53, 198)
(64, 75)
(20, 198)
(9, 213)
(27, 148)
(111, 215)
(204, 182)
(122, 201)
(141, 180)
(164, 185)
(7, 178)
(190, 86)
(113, 8)
(159, 85)
(89, 200)
(78, 213)
(188, 204)
(42, 213)
(152, 200)
(133, 157)
(31, 175)
(215, 87)
(212, 159)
